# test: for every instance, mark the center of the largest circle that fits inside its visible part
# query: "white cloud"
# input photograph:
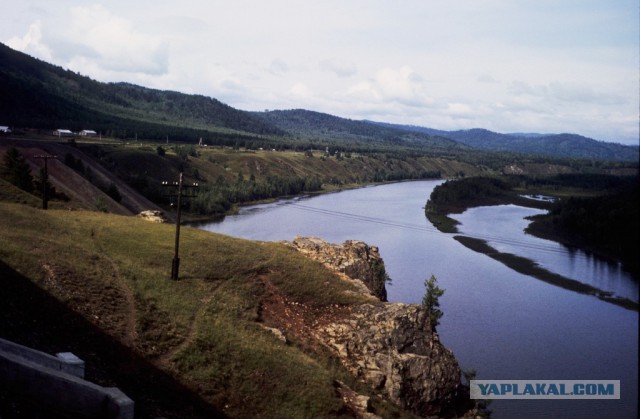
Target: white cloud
(119, 47)
(338, 68)
(279, 66)
(560, 94)
(486, 78)
(393, 86)
(31, 42)
(580, 92)
(460, 110)
(300, 90)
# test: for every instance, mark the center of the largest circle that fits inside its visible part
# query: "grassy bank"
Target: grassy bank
(201, 337)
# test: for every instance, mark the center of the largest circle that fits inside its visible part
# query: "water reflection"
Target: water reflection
(503, 225)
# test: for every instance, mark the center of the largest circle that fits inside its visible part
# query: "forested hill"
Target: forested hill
(40, 95)
(554, 145)
(36, 94)
(315, 125)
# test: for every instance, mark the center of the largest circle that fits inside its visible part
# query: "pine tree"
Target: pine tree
(431, 300)
(17, 171)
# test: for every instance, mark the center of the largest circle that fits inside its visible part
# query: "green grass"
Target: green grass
(11, 193)
(202, 329)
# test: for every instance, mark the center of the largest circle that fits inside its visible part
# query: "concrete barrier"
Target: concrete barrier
(55, 382)
(63, 361)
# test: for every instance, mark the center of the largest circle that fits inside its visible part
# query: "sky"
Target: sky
(546, 66)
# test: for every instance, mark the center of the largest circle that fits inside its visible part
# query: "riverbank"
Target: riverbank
(543, 227)
(456, 197)
(528, 267)
(598, 215)
(195, 220)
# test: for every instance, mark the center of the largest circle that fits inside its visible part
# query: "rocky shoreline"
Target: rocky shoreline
(392, 347)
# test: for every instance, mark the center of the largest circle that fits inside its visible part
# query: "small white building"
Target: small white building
(63, 133)
(88, 133)
(5, 130)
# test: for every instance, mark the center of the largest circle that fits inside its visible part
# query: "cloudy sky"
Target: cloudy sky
(506, 65)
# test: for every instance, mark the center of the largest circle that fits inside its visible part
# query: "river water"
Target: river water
(505, 325)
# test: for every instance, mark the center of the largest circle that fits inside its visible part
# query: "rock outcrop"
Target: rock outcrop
(394, 349)
(354, 258)
(391, 346)
(153, 216)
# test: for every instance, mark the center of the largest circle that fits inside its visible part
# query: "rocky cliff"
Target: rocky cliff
(355, 259)
(390, 346)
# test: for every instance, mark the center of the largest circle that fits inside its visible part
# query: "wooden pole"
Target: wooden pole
(175, 264)
(45, 178)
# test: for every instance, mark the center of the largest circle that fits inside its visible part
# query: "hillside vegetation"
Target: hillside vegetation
(40, 95)
(347, 134)
(37, 96)
(114, 176)
(97, 285)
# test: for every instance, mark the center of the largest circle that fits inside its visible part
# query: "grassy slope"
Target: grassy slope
(11, 193)
(214, 162)
(202, 332)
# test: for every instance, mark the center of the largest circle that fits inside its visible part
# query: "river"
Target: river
(503, 324)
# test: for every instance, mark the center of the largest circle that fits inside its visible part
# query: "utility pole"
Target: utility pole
(45, 179)
(175, 263)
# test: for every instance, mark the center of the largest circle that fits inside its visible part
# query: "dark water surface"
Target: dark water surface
(501, 323)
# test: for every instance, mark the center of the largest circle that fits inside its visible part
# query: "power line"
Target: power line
(431, 230)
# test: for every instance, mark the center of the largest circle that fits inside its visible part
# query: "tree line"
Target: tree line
(219, 197)
(607, 223)
(456, 195)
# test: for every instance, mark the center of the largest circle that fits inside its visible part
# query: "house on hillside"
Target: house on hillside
(4, 129)
(63, 133)
(88, 133)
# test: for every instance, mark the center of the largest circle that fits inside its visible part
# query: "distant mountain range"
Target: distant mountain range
(36, 94)
(557, 145)
(302, 123)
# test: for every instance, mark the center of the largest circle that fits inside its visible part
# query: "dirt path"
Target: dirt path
(131, 335)
(107, 304)
(127, 301)
(165, 359)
